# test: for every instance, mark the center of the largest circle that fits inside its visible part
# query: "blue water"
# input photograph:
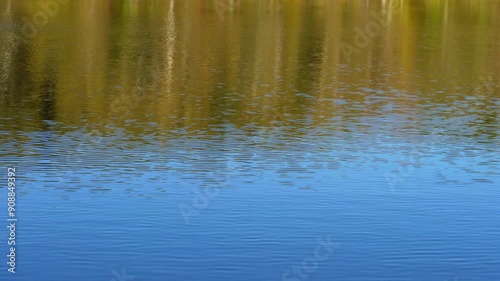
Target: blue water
(159, 141)
(217, 208)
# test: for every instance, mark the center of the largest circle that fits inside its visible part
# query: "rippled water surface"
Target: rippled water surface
(252, 140)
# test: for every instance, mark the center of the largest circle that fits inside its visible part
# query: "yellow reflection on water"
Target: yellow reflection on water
(181, 64)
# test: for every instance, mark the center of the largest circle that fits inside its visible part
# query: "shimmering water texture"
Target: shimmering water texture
(251, 140)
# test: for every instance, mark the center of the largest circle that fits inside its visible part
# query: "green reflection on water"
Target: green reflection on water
(178, 64)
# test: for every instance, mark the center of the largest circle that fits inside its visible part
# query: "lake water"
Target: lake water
(251, 140)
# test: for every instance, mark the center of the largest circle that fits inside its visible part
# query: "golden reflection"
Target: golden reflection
(178, 64)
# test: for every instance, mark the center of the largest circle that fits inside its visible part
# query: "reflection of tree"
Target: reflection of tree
(283, 69)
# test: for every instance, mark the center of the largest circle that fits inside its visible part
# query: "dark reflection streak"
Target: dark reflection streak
(48, 96)
(310, 54)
